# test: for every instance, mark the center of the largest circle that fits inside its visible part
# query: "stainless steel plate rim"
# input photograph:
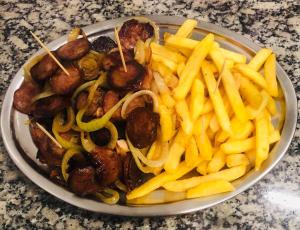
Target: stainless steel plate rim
(180, 207)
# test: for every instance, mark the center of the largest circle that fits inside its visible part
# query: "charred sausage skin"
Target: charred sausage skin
(74, 49)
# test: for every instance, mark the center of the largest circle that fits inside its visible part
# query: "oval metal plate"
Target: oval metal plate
(21, 149)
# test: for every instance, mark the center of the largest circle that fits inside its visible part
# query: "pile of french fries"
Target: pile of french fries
(223, 106)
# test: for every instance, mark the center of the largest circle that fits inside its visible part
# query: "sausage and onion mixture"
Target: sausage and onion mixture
(89, 125)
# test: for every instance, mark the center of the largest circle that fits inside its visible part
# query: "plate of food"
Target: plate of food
(148, 116)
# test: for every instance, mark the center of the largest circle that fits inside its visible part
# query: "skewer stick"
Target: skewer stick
(49, 52)
(48, 134)
(120, 49)
(220, 76)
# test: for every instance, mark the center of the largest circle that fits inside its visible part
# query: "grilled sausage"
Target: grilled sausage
(107, 164)
(82, 181)
(132, 31)
(118, 79)
(101, 137)
(23, 96)
(48, 152)
(44, 68)
(110, 99)
(95, 108)
(50, 106)
(63, 84)
(103, 44)
(141, 127)
(114, 58)
(74, 49)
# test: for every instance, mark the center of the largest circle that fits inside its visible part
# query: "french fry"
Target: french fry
(238, 146)
(271, 106)
(213, 67)
(274, 136)
(180, 68)
(230, 174)
(180, 42)
(236, 57)
(251, 157)
(192, 67)
(216, 163)
(260, 57)
(214, 124)
(270, 75)
(167, 99)
(236, 160)
(221, 136)
(210, 188)
(191, 153)
(241, 130)
(170, 79)
(250, 92)
(217, 57)
(253, 75)
(262, 140)
(159, 180)
(186, 28)
(216, 98)
(204, 146)
(166, 53)
(207, 107)
(175, 152)
(233, 94)
(202, 124)
(197, 99)
(158, 197)
(186, 121)
(166, 123)
(167, 62)
(264, 102)
(202, 167)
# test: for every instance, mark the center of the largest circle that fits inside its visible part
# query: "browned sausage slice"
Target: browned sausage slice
(131, 80)
(50, 106)
(74, 49)
(141, 127)
(82, 181)
(44, 68)
(110, 99)
(107, 164)
(63, 84)
(132, 31)
(23, 96)
(95, 107)
(103, 44)
(114, 58)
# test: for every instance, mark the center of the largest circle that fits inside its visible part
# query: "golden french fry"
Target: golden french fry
(238, 146)
(214, 124)
(253, 75)
(236, 160)
(210, 188)
(186, 28)
(216, 98)
(191, 152)
(262, 140)
(202, 124)
(264, 102)
(250, 92)
(175, 152)
(192, 67)
(241, 130)
(251, 157)
(180, 68)
(204, 146)
(207, 107)
(216, 163)
(159, 180)
(270, 75)
(271, 106)
(233, 94)
(217, 57)
(167, 99)
(202, 167)
(230, 174)
(167, 62)
(186, 121)
(197, 99)
(221, 136)
(180, 42)
(260, 57)
(170, 79)
(166, 53)
(236, 57)
(166, 123)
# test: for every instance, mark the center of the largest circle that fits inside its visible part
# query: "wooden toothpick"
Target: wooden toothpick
(120, 49)
(49, 52)
(48, 134)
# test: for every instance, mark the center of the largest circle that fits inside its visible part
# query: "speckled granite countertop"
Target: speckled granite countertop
(273, 203)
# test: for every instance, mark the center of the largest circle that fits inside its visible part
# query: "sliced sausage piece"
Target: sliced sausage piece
(74, 49)
(110, 99)
(118, 79)
(50, 106)
(103, 44)
(101, 137)
(95, 108)
(82, 181)
(44, 68)
(133, 177)
(48, 152)
(114, 58)
(107, 164)
(63, 84)
(141, 127)
(146, 84)
(132, 31)
(23, 96)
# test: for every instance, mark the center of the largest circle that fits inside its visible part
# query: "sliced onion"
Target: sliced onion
(138, 94)
(81, 88)
(42, 95)
(113, 197)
